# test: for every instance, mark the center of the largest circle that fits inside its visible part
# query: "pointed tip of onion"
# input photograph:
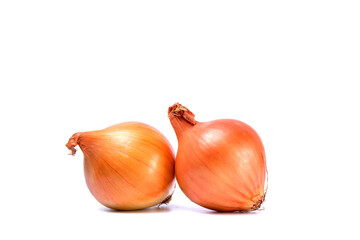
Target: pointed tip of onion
(176, 108)
(73, 142)
(180, 111)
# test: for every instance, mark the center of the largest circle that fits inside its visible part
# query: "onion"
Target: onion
(220, 164)
(127, 166)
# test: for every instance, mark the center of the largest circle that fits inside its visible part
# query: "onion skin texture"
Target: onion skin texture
(221, 164)
(127, 166)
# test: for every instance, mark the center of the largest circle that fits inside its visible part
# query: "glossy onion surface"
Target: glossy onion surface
(127, 166)
(220, 164)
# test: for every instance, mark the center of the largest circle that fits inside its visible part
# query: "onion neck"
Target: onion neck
(181, 118)
(73, 142)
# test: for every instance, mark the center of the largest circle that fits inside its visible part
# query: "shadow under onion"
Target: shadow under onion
(156, 209)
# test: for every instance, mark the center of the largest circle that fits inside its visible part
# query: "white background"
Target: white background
(290, 69)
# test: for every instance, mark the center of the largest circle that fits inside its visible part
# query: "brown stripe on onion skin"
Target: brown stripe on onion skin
(226, 180)
(132, 157)
(225, 174)
(227, 185)
(118, 185)
(207, 203)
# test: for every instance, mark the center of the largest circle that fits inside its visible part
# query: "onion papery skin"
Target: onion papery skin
(220, 164)
(127, 166)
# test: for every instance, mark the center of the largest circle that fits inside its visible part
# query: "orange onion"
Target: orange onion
(127, 166)
(220, 164)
